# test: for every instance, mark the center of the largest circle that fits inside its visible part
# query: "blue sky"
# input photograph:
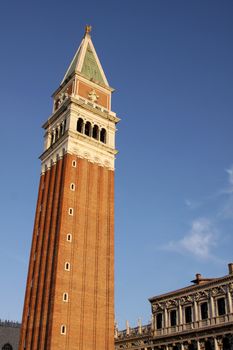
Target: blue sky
(171, 64)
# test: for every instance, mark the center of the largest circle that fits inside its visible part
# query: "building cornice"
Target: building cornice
(83, 103)
(192, 289)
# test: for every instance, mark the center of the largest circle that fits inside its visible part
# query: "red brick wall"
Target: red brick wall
(89, 313)
(84, 89)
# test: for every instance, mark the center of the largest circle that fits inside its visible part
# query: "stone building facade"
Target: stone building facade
(197, 317)
(9, 335)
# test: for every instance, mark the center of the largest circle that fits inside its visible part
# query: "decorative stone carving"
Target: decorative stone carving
(231, 287)
(219, 343)
(93, 96)
(169, 303)
(157, 307)
(186, 299)
(218, 290)
(202, 345)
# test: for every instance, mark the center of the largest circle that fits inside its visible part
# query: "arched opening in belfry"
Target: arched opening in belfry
(95, 132)
(56, 134)
(226, 344)
(7, 347)
(80, 125)
(208, 345)
(88, 129)
(103, 135)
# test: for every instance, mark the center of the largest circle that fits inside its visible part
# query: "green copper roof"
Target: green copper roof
(90, 67)
(73, 65)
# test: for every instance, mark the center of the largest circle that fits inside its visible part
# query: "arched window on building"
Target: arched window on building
(80, 125)
(65, 297)
(204, 311)
(88, 129)
(103, 135)
(226, 343)
(221, 306)
(63, 329)
(173, 318)
(95, 132)
(7, 347)
(159, 321)
(208, 345)
(188, 314)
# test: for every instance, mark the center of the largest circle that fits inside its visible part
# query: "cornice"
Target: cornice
(82, 78)
(191, 289)
(88, 105)
(54, 146)
(77, 136)
(80, 103)
(56, 114)
(92, 141)
(94, 83)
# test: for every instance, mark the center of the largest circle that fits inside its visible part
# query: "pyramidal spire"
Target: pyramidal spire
(86, 62)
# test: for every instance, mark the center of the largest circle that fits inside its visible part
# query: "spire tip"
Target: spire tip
(88, 29)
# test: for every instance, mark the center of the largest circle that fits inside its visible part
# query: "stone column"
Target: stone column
(195, 311)
(180, 316)
(127, 327)
(116, 330)
(219, 343)
(140, 325)
(165, 318)
(212, 309)
(47, 140)
(229, 301)
(215, 344)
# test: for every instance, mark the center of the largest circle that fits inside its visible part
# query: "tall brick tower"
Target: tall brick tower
(69, 300)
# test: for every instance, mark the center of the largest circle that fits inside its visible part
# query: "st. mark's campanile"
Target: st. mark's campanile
(69, 300)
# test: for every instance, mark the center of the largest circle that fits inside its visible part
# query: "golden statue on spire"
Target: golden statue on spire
(88, 29)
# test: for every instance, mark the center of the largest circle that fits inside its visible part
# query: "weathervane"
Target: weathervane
(88, 29)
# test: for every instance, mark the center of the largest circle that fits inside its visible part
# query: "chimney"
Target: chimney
(230, 268)
(127, 327)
